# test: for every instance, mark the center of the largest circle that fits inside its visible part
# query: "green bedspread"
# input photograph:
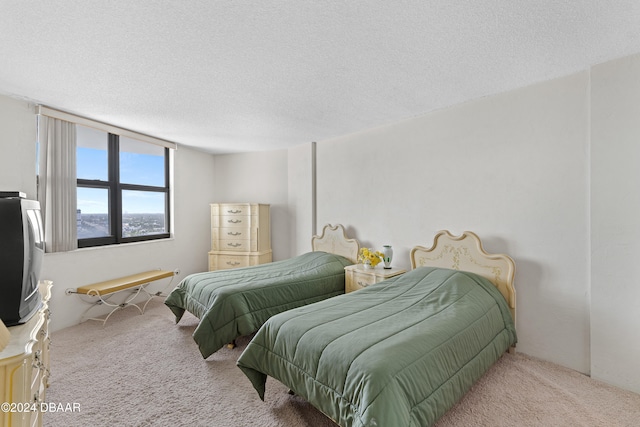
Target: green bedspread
(397, 353)
(233, 303)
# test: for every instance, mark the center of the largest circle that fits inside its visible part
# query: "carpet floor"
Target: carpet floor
(144, 370)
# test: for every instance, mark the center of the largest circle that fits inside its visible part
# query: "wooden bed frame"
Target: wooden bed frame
(334, 240)
(465, 253)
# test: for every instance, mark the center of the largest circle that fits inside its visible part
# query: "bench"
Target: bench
(136, 283)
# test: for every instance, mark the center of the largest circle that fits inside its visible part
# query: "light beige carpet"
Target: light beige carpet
(143, 370)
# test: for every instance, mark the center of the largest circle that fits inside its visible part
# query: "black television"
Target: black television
(21, 254)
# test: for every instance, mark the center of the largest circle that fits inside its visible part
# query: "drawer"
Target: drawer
(355, 281)
(37, 370)
(233, 245)
(223, 262)
(231, 209)
(244, 221)
(233, 233)
(363, 280)
(234, 239)
(226, 260)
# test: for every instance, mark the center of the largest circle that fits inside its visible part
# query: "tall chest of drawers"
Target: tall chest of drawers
(240, 235)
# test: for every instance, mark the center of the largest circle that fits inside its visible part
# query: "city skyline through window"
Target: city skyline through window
(122, 192)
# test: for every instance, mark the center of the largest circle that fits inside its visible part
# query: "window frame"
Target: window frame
(115, 189)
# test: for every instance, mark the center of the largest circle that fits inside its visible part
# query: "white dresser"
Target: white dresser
(240, 235)
(24, 368)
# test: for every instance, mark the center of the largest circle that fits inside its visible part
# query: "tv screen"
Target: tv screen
(21, 255)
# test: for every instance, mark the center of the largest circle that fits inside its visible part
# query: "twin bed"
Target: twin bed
(234, 303)
(400, 352)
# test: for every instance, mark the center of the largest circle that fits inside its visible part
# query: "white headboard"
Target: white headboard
(465, 253)
(334, 240)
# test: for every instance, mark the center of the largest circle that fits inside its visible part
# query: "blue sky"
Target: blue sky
(134, 169)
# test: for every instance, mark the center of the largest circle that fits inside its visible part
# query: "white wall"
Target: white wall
(17, 146)
(615, 209)
(300, 198)
(187, 251)
(260, 177)
(512, 168)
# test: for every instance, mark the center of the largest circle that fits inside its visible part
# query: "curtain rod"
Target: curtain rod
(61, 115)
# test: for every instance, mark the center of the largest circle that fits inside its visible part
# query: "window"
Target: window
(122, 189)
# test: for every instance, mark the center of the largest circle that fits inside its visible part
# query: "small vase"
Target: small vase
(387, 256)
(367, 266)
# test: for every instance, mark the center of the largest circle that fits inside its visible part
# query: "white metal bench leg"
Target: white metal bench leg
(119, 307)
(161, 293)
(105, 300)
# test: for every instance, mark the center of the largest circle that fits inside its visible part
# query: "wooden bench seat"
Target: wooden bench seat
(137, 283)
(121, 283)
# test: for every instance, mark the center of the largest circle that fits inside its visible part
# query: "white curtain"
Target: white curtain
(57, 183)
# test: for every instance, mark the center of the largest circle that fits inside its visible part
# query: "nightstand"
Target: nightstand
(357, 277)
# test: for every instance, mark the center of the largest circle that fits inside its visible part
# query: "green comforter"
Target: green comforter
(233, 303)
(398, 353)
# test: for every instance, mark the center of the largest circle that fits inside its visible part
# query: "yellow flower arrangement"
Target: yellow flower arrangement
(369, 256)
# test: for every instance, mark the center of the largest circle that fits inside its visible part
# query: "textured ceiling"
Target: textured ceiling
(234, 76)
